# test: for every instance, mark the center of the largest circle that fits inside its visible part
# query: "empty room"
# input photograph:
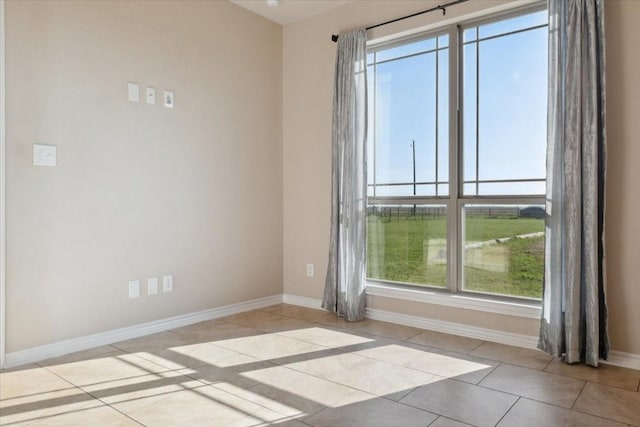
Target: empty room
(319, 213)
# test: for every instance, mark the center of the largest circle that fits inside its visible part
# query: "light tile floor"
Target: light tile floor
(294, 366)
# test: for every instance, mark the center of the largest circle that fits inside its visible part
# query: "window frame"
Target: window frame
(455, 201)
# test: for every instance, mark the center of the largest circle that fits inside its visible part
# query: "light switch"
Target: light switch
(44, 155)
(152, 286)
(134, 288)
(133, 91)
(309, 270)
(167, 284)
(151, 95)
(168, 99)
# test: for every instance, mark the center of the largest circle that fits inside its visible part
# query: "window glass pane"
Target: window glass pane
(511, 188)
(513, 106)
(469, 116)
(405, 113)
(403, 190)
(443, 117)
(513, 24)
(505, 111)
(469, 189)
(443, 41)
(504, 249)
(370, 127)
(407, 244)
(470, 34)
(409, 116)
(406, 49)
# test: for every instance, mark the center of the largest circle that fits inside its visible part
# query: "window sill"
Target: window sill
(487, 305)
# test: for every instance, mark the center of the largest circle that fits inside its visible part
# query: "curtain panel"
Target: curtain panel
(574, 310)
(344, 291)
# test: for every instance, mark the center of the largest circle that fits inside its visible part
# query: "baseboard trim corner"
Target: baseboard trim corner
(36, 354)
(302, 301)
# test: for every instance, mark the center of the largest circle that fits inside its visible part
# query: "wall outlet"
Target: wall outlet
(151, 95)
(134, 288)
(152, 286)
(44, 155)
(169, 100)
(309, 270)
(167, 283)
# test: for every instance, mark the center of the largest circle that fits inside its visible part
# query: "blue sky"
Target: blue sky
(512, 105)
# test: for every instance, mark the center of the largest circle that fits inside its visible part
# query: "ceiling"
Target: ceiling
(289, 11)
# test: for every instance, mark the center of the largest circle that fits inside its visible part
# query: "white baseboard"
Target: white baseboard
(35, 354)
(618, 358)
(302, 301)
(468, 331)
(626, 360)
(60, 348)
(430, 324)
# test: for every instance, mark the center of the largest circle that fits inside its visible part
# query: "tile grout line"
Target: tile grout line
(513, 394)
(430, 412)
(432, 422)
(509, 410)
(548, 363)
(203, 384)
(80, 388)
(374, 396)
(583, 379)
(477, 347)
(112, 407)
(306, 415)
(595, 415)
(413, 336)
(489, 373)
(368, 358)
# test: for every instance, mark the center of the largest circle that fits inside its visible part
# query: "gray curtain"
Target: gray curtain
(346, 274)
(574, 312)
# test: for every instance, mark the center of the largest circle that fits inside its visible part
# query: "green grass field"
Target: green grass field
(411, 249)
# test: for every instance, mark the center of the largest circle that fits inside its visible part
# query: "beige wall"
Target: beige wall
(623, 174)
(308, 71)
(139, 190)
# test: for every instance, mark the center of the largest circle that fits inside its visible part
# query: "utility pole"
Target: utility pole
(413, 148)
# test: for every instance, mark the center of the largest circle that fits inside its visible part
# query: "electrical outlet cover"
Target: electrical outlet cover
(169, 100)
(167, 283)
(44, 155)
(151, 95)
(134, 288)
(152, 286)
(133, 92)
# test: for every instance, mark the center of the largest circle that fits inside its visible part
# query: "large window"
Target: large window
(456, 157)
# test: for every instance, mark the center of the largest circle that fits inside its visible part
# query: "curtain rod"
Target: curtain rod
(443, 8)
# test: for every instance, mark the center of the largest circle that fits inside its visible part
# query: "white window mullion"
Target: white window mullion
(454, 153)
